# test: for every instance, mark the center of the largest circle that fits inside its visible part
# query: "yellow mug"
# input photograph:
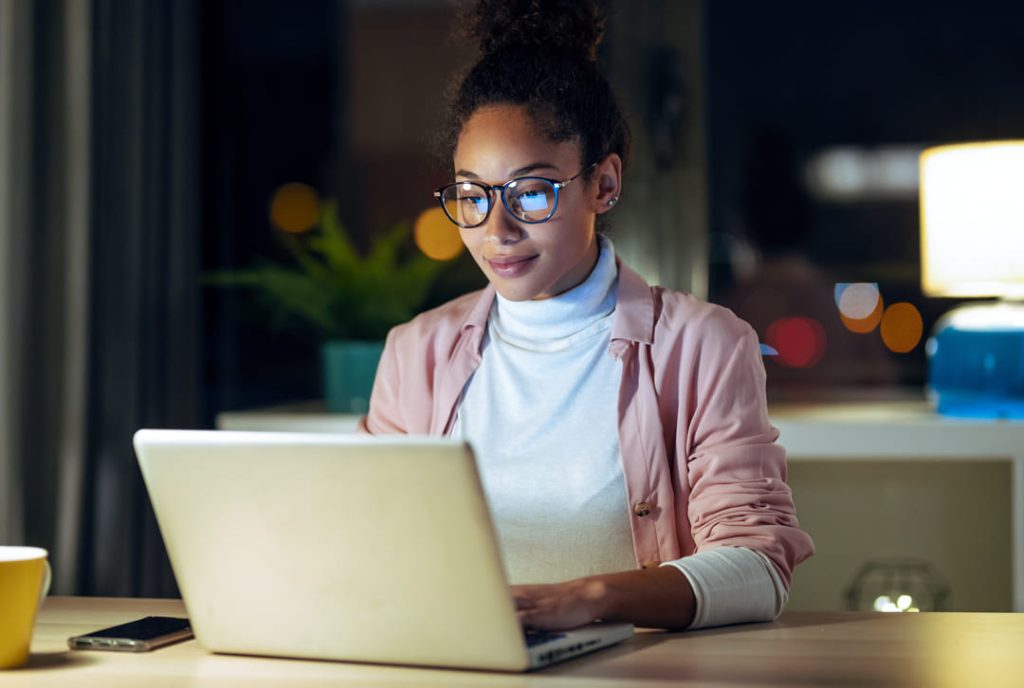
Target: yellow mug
(24, 582)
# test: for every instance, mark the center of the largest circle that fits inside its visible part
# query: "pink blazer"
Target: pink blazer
(701, 464)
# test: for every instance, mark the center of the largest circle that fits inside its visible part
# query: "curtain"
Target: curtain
(43, 237)
(13, 159)
(99, 300)
(145, 311)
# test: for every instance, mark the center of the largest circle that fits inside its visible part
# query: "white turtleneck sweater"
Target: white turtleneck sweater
(541, 414)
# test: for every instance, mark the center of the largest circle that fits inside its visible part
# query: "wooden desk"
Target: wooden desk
(806, 648)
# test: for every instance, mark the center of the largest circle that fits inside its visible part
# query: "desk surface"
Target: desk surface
(801, 648)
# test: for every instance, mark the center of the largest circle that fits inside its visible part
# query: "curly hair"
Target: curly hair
(542, 55)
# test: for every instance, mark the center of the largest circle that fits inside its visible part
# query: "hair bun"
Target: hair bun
(573, 27)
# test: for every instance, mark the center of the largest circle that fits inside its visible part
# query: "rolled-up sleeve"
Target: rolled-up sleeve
(735, 470)
(732, 585)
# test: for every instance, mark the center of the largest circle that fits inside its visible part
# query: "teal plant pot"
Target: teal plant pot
(349, 370)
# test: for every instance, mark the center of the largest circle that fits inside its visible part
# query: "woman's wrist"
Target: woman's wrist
(597, 597)
(658, 597)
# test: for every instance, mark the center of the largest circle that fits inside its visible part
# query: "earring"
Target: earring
(612, 200)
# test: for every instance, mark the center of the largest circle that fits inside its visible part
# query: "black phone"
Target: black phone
(141, 635)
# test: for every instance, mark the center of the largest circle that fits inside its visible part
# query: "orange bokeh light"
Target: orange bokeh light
(864, 325)
(800, 341)
(902, 327)
(295, 208)
(436, 236)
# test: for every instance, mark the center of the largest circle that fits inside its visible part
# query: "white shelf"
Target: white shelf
(891, 430)
(306, 418)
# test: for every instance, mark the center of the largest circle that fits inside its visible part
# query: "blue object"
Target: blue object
(349, 371)
(976, 362)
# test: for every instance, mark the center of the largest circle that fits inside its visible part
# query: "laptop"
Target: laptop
(341, 547)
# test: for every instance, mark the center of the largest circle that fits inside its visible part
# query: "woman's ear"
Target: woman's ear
(608, 178)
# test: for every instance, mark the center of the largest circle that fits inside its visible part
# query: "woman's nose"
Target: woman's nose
(501, 227)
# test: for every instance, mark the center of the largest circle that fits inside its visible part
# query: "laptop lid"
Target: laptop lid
(333, 547)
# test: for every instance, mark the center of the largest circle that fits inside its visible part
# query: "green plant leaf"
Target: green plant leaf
(333, 289)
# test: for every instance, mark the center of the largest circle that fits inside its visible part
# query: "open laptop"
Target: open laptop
(344, 547)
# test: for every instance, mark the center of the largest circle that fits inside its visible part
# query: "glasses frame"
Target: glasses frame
(557, 184)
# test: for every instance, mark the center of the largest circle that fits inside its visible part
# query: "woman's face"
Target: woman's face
(532, 261)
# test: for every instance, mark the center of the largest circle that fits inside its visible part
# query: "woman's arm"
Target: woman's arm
(657, 597)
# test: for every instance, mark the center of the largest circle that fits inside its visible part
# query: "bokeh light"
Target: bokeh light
(799, 340)
(902, 327)
(436, 236)
(854, 173)
(295, 208)
(883, 603)
(903, 603)
(865, 325)
(857, 300)
(860, 305)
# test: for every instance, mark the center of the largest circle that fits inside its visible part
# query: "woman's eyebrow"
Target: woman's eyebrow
(525, 169)
(533, 167)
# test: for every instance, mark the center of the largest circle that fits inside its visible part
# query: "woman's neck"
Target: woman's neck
(569, 312)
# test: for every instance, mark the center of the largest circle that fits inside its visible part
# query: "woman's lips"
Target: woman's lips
(511, 266)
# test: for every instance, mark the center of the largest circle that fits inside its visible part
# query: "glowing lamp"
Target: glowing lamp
(898, 585)
(972, 245)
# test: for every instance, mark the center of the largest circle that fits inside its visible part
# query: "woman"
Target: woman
(621, 430)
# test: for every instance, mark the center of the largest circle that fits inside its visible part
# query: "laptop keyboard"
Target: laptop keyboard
(535, 638)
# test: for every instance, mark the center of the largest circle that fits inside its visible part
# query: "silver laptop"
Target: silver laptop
(342, 547)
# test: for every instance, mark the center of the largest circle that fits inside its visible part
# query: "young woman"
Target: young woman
(620, 429)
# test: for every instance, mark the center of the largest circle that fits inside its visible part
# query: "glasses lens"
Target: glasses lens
(466, 203)
(532, 200)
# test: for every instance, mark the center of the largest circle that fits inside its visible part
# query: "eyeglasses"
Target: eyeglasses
(528, 199)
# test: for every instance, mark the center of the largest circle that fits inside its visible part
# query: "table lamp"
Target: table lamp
(898, 585)
(972, 245)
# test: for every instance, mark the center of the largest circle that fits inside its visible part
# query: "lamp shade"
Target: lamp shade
(972, 220)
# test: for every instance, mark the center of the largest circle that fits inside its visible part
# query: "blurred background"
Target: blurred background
(155, 156)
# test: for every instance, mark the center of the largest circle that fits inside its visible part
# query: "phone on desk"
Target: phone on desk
(142, 635)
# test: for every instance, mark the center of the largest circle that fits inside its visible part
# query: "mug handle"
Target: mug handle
(47, 579)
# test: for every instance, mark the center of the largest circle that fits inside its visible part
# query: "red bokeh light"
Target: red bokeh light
(800, 341)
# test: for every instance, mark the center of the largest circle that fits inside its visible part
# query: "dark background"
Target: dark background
(788, 80)
(345, 97)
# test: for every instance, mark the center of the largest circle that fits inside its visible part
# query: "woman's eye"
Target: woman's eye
(477, 203)
(532, 200)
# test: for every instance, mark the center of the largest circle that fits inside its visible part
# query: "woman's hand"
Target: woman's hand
(659, 597)
(559, 606)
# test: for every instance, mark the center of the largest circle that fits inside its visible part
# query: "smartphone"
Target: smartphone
(136, 636)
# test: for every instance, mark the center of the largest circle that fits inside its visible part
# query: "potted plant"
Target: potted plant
(350, 300)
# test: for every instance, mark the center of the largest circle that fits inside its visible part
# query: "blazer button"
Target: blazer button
(641, 509)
